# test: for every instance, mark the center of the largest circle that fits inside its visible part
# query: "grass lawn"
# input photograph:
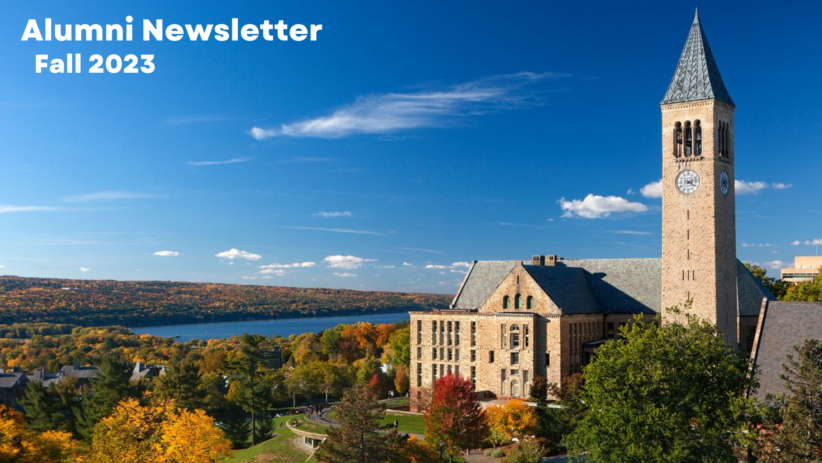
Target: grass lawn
(414, 424)
(277, 450)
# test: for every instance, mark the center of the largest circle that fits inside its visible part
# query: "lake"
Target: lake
(282, 326)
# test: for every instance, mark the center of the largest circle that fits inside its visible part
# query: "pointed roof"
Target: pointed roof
(697, 75)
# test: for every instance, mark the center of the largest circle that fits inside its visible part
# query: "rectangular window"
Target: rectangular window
(449, 369)
(527, 335)
(434, 332)
(473, 355)
(473, 334)
(474, 378)
(457, 331)
(442, 332)
(456, 370)
(504, 337)
(490, 356)
(450, 358)
(457, 355)
(419, 353)
(419, 331)
(450, 334)
(419, 375)
(514, 358)
(434, 353)
(434, 370)
(514, 372)
(442, 353)
(524, 376)
(504, 374)
(547, 359)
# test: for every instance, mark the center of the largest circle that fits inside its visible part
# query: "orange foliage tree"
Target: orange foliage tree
(454, 416)
(513, 419)
(21, 445)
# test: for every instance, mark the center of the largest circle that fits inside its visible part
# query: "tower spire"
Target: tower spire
(697, 75)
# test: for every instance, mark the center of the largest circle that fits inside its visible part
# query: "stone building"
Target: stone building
(513, 320)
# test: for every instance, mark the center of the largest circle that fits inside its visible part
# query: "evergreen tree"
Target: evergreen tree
(235, 426)
(182, 383)
(39, 407)
(111, 386)
(358, 438)
(265, 426)
(798, 438)
(539, 388)
(249, 391)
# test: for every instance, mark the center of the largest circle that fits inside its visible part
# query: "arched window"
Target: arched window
(506, 302)
(515, 388)
(513, 336)
(688, 139)
(518, 301)
(697, 138)
(529, 302)
(677, 140)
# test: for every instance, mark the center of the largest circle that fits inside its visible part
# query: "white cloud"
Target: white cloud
(272, 271)
(392, 112)
(652, 190)
(333, 214)
(781, 186)
(232, 254)
(775, 264)
(795, 243)
(346, 262)
(294, 265)
(8, 209)
(337, 230)
(816, 242)
(345, 275)
(407, 264)
(2, 266)
(596, 207)
(436, 267)
(757, 245)
(107, 196)
(632, 232)
(167, 253)
(218, 163)
(741, 187)
(84, 269)
(456, 267)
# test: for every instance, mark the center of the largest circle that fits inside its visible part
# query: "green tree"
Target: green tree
(528, 451)
(235, 426)
(539, 388)
(358, 438)
(265, 426)
(400, 342)
(332, 379)
(797, 435)
(303, 381)
(368, 370)
(454, 417)
(39, 407)
(248, 390)
(182, 383)
(669, 393)
(809, 291)
(111, 386)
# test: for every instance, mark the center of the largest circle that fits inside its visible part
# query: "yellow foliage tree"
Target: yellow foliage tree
(513, 419)
(18, 444)
(157, 433)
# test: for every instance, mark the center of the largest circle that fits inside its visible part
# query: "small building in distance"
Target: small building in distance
(805, 268)
(12, 385)
(146, 372)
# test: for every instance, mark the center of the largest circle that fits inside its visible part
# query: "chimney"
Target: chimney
(538, 260)
(551, 261)
(138, 367)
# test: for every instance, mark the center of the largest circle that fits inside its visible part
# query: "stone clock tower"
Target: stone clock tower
(698, 214)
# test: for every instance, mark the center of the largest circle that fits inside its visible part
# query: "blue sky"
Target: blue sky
(412, 137)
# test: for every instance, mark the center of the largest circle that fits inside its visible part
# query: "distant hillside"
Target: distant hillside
(142, 303)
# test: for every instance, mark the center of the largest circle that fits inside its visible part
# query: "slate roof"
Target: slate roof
(580, 286)
(783, 325)
(567, 286)
(697, 75)
(79, 372)
(10, 380)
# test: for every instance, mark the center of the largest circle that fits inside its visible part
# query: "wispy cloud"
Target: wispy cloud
(814, 242)
(306, 160)
(294, 265)
(393, 112)
(775, 264)
(456, 267)
(345, 275)
(218, 163)
(85, 269)
(337, 230)
(742, 187)
(333, 214)
(108, 196)
(632, 232)
(234, 253)
(757, 245)
(346, 262)
(167, 254)
(423, 250)
(272, 271)
(197, 119)
(597, 207)
(8, 209)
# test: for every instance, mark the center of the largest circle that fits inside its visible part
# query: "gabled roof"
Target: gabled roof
(567, 287)
(782, 325)
(697, 75)
(9, 380)
(624, 285)
(480, 282)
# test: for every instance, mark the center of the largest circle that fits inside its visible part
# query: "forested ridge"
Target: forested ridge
(140, 303)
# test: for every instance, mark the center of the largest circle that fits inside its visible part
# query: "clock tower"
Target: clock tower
(698, 214)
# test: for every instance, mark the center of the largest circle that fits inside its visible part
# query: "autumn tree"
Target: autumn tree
(454, 416)
(796, 436)
(181, 382)
(539, 388)
(358, 438)
(400, 342)
(401, 382)
(18, 444)
(513, 419)
(302, 381)
(668, 392)
(528, 451)
(378, 386)
(157, 433)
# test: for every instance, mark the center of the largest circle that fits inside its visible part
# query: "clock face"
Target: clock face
(724, 184)
(687, 181)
